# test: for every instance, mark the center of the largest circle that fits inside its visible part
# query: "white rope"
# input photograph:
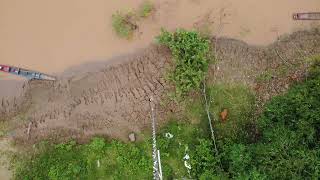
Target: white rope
(209, 117)
(157, 172)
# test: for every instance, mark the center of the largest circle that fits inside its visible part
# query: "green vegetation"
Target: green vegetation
(281, 144)
(238, 100)
(314, 69)
(173, 150)
(268, 75)
(191, 58)
(145, 9)
(96, 160)
(284, 70)
(264, 77)
(124, 24)
(289, 147)
(3, 127)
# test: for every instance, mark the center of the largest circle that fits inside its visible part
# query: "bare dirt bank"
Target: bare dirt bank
(113, 101)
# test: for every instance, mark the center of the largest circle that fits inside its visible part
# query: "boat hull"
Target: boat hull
(306, 16)
(29, 74)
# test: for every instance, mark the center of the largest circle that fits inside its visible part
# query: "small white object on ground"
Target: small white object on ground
(187, 165)
(132, 137)
(186, 157)
(169, 135)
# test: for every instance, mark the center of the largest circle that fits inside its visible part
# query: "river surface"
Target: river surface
(51, 36)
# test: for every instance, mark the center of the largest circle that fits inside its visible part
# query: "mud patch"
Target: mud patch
(112, 101)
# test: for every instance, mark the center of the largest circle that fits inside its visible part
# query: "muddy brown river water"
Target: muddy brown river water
(51, 36)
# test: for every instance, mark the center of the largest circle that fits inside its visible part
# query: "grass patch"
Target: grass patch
(145, 9)
(239, 102)
(97, 160)
(123, 24)
(173, 150)
(3, 127)
(315, 68)
(264, 77)
(281, 71)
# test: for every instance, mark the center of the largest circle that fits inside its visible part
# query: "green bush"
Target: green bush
(191, 58)
(290, 126)
(203, 159)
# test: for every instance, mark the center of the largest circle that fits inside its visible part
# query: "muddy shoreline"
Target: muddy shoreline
(114, 100)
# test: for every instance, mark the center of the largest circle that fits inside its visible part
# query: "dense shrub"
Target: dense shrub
(289, 143)
(191, 58)
(203, 159)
